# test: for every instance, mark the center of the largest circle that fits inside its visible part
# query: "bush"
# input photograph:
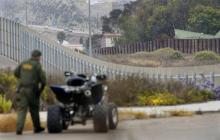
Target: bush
(122, 91)
(176, 55)
(134, 91)
(168, 53)
(195, 95)
(159, 99)
(8, 85)
(61, 36)
(206, 56)
(5, 105)
(47, 96)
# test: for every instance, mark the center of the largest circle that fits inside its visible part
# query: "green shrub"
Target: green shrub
(206, 55)
(5, 105)
(8, 85)
(195, 95)
(7, 80)
(47, 96)
(168, 53)
(176, 55)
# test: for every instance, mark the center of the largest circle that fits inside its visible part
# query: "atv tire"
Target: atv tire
(54, 120)
(65, 125)
(112, 116)
(100, 119)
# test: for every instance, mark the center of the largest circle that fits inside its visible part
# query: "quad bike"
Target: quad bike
(82, 98)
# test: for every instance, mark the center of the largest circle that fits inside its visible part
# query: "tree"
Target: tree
(131, 30)
(81, 40)
(106, 25)
(205, 19)
(114, 15)
(61, 37)
(144, 20)
(96, 41)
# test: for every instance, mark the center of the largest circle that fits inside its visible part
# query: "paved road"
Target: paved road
(205, 127)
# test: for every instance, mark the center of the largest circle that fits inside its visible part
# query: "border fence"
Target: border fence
(17, 41)
(188, 46)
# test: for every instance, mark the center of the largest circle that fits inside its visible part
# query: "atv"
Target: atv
(82, 98)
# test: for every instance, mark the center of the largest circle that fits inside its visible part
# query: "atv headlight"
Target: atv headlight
(88, 93)
(67, 89)
(77, 89)
(105, 88)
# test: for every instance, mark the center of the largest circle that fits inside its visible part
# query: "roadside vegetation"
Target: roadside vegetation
(135, 115)
(131, 91)
(134, 91)
(8, 93)
(207, 56)
(8, 123)
(165, 57)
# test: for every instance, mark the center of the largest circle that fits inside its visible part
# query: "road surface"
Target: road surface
(204, 127)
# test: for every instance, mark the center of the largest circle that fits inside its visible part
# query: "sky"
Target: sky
(101, 1)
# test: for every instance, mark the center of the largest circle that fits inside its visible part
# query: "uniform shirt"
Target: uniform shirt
(30, 73)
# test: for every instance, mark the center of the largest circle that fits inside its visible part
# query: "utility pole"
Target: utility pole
(97, 26)
(90, 37)
(26, 10)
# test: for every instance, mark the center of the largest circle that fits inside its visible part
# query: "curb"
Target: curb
(166, 111)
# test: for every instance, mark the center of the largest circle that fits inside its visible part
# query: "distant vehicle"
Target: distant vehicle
(68, 30)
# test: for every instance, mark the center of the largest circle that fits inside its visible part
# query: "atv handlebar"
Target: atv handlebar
(101, 77)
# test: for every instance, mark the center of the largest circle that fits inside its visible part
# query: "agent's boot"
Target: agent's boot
(39, 130)
(18, 132)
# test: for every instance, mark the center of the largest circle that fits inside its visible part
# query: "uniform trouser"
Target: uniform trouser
(27, 99)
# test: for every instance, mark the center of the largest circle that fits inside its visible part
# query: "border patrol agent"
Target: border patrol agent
(32, 81)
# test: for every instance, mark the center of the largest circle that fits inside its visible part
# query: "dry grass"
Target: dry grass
(180, 113)
(8, 123)
(141, 116)
(130, 115)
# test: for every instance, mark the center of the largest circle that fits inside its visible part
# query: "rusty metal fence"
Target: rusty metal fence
(188, 46)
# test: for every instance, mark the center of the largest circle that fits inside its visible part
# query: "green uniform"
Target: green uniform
(32, 81)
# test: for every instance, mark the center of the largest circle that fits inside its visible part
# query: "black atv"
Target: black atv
(83, 98)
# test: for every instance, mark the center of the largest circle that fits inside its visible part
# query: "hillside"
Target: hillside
(164, 58)
(46, 12)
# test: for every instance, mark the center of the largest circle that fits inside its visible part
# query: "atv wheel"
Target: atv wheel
(112, 116)
(65, 125)
(54, 119)
(100, 119)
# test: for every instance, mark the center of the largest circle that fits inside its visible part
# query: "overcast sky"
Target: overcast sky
(101, 1)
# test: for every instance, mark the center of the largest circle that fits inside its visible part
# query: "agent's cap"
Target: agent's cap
(36, 53)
